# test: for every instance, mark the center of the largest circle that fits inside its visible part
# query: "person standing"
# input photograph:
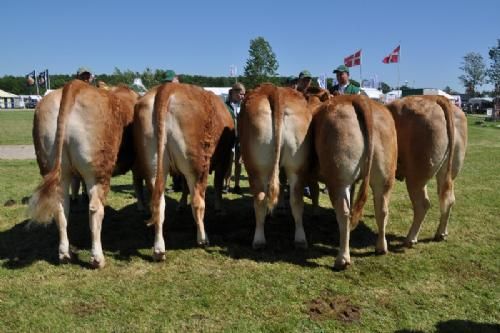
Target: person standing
(170, 76)
(233, 104)
(344, 85)
(304, 81)
(85, 74)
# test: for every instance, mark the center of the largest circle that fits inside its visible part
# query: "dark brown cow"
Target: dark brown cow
(187, 130)
(355, 139)
(273, 128)
(432, 140)
(89, 131)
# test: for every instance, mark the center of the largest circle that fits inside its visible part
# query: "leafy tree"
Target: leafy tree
(474, 72)
(384, 87)
(261, 64)
(494, 71)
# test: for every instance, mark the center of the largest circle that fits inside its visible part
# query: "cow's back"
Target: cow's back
(421, 127)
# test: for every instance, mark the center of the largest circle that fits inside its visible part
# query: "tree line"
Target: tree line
(261, 66)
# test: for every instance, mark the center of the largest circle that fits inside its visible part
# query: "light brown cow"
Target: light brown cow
(273, 126)
(89, 131)
(188, 130)
(355, 139)
(44, 136)
(432, 139)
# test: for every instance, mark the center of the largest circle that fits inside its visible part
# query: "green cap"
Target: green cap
(305, 73)
(169, 75)
(82, 70)
(342, 68)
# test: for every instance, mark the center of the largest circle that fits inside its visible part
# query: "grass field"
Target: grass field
(452, 286)
(16, 127)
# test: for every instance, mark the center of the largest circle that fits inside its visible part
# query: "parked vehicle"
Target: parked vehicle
(479, 105)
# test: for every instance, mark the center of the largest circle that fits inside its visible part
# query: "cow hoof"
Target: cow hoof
(341, 265)
(97, 264)
(440, 237)
(380, 252)
(204, 243)
(410, 243)
(301, 245)
(159, 256)
(64, 258)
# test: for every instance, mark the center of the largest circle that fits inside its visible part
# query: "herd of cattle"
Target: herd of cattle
(89, 133)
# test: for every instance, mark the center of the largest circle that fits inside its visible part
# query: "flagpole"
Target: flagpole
(399, 60)
(36, 84)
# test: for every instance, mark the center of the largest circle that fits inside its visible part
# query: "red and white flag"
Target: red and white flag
(393, 56)
(353, 59)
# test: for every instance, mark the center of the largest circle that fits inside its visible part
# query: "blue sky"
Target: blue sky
(206, 37)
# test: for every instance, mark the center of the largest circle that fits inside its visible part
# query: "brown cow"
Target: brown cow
(89, 131)
(432, 139)
(273, 126)
(188, 131)
(355, 139)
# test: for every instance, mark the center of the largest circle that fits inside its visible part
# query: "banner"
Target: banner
(353, 59)
(322, 81)
(30, 78)
(393, 56)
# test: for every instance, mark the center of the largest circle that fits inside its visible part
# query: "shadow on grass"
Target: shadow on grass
(125, 235)
(459, 326)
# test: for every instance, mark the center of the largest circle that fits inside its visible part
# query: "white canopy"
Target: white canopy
(372, 93)
(5, 94)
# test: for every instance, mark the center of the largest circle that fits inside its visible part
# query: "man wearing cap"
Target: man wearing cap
(84, 74)
(233, 102)
(344, 86)
(170, 76)
(304, 82)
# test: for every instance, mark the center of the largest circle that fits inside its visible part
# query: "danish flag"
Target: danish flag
(393, 56)
(353, 59)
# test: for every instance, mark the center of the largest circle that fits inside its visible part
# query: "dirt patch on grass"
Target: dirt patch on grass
(329, 306)
(83, 309)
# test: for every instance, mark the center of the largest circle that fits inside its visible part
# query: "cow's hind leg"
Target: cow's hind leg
(446, 201)
(62, 221)
(96, 215)
(297, 206)
(197, 190)
(381, 197)
(260, 208)
(340, 201)
(421, 204)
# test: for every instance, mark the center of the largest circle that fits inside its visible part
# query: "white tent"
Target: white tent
(392, 96)
(373, 93)
(9, 100)
(438, 92)
(222, 92)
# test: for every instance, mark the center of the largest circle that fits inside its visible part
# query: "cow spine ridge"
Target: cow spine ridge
(273, 188)
(363, 107)
(44, 203)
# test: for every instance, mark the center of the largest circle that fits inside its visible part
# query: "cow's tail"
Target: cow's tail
(277, 112)
(364, 111)
(161, 105)
(45, 203)
(450, 129)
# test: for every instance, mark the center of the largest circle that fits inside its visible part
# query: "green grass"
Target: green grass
(16, 127)
(451, 286)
